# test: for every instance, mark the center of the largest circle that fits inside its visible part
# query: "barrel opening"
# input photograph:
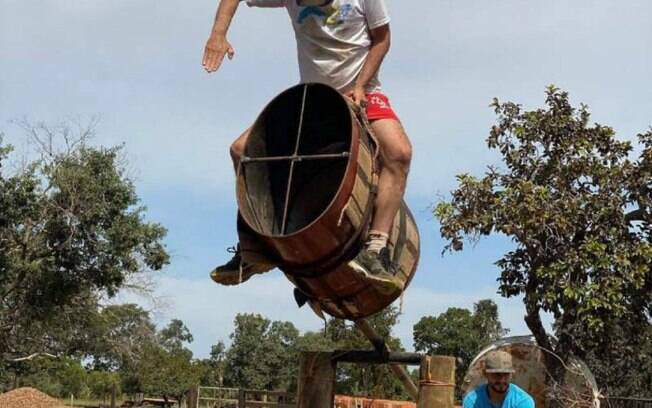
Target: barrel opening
(295, 159)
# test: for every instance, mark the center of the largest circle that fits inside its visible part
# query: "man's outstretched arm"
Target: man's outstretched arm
(217, 45)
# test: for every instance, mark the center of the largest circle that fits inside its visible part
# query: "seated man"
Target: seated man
(498, 392)
(340, 43)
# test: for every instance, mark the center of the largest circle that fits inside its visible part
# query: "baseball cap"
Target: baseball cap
(498, 362)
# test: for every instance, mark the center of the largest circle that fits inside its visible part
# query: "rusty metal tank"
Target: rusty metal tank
(306, 187)
(528, 362)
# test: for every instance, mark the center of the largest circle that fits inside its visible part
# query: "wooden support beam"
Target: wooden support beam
(437, 382)
(316, 380)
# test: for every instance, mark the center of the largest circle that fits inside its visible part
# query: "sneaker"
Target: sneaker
(236, 270)
(378, 269)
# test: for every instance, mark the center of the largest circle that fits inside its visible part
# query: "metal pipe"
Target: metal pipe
(245, 159)
(367, 356)
(381, 347)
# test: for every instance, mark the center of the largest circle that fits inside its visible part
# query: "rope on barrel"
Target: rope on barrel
(346, 206)
(363, 121)
(429, 382)
(433, 383)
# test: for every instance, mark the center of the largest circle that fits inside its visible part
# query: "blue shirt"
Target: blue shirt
(516, 397)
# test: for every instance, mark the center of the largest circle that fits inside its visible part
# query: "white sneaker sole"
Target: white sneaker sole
(364, 273)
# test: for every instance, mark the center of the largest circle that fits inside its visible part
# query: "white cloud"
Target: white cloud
(137, 65)
(209, 309)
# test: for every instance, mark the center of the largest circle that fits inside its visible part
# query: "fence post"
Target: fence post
(437, 382)
(114, 391)
(242, 398)
(193, 397)
(316, 380)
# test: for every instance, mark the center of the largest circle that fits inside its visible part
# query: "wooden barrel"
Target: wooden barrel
(306, 187)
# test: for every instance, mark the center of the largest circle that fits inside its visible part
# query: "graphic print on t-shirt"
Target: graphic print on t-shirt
(329, 15)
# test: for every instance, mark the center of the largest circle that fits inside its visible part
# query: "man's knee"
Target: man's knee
(399, 156)
(236, 150)
(404, 157)
(238, 146)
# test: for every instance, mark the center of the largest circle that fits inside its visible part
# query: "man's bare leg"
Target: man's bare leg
(396, 153)
(247, 255)
(237, 149)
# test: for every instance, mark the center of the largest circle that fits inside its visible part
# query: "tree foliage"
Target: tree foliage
(213, 367)
(374, 380)
(102, 384)
(262, 354)
(460, 333)
(166, 367)
(576, 203)
(71, 230)
(120, 333)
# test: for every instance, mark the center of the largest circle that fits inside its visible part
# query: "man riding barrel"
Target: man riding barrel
(341, 43)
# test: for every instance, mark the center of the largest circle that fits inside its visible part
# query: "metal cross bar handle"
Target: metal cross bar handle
(381, 347)
(245, 159)
(296, 152)
(373, 356)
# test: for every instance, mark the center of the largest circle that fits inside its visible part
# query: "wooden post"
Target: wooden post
(114, 391)
(193, 397)
(316, 380)
(437, 382)
(242, 398)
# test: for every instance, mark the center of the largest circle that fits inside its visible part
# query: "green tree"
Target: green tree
(460, 333)
(485, 315)
(624, 360)
(103, 383)
(576, 203)
(166, 374)
(214, 366)
(74, 380)
(174, 336)
(262, 354)
(166, 367)
(120, 333)
(71, 231)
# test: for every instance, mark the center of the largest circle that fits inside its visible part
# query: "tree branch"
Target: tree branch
(636, 215)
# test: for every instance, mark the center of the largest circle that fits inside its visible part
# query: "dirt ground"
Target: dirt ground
(28, 398)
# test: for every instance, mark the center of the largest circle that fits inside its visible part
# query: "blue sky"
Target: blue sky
(136, 65)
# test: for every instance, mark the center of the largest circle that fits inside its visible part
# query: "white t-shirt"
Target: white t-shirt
(333, 41)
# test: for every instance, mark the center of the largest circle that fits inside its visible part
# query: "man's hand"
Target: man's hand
(358, 96)
(216, 47)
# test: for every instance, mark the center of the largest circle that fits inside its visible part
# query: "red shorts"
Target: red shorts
(378, 107)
